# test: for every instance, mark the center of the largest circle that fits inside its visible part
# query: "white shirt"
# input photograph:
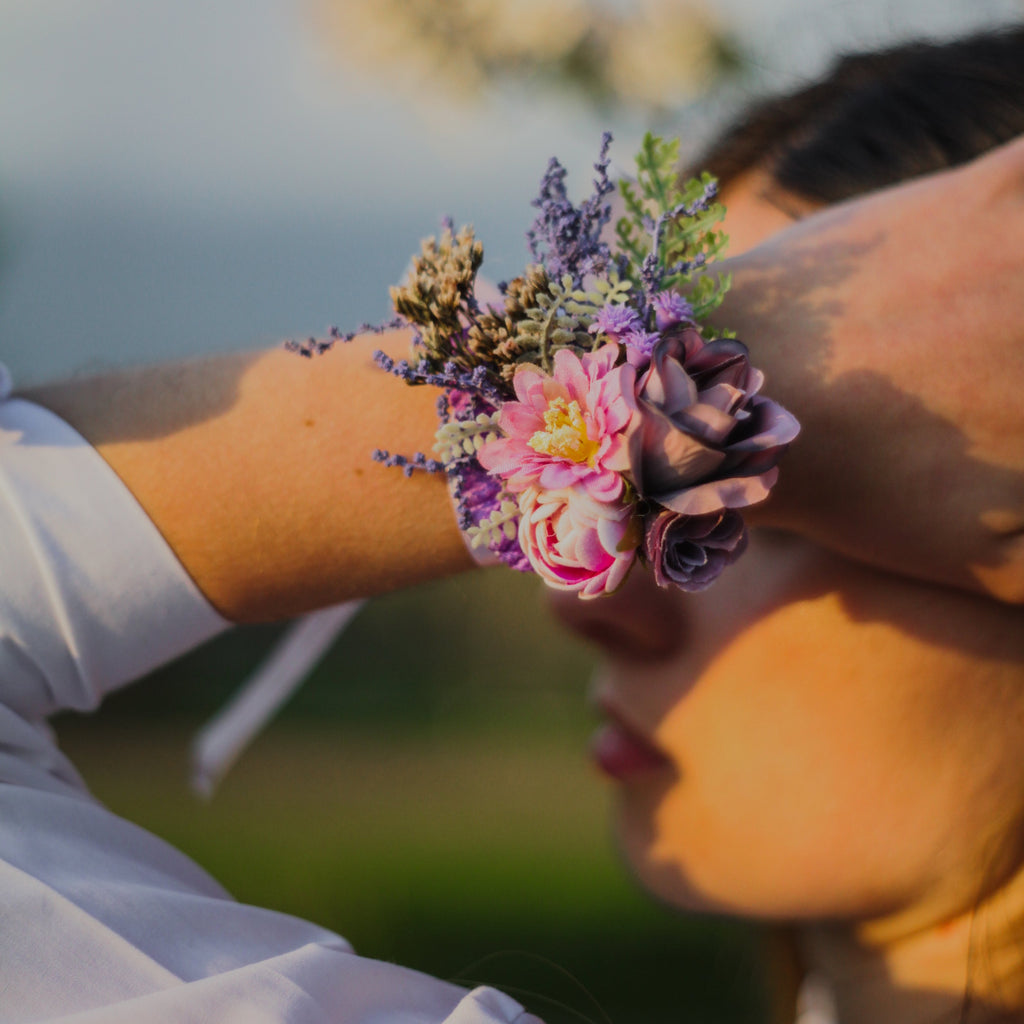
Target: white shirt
(101, 922)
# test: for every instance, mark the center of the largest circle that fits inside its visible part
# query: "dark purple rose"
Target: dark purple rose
(690, 551)
(702, 438)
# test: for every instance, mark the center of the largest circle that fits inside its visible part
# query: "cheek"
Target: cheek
(825, 766)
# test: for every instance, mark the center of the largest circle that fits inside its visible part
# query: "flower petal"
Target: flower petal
(714, 495)
(527, 376)
(668, 458)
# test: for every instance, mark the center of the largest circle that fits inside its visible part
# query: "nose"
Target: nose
(639, 622)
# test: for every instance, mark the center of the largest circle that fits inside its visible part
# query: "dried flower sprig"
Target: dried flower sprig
(438, 298)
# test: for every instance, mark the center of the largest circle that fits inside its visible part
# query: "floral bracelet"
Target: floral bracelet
(590, 420)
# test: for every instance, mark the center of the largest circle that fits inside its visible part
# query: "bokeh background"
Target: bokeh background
(185, 176)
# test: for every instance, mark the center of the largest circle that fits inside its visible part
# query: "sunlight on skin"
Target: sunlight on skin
(912, 376)
(214, 437)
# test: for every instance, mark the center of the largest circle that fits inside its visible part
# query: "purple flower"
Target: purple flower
(464, 405)
(477, 494)
(690, 552)
(639, 346)
(670, 308)
(616, 322)
(702, 438)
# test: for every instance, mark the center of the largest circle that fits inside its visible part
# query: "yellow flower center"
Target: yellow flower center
(565, 434)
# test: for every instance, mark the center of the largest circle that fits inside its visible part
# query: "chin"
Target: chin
(639, 844)
(735, 879)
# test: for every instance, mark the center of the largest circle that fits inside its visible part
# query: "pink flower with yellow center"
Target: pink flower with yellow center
(566, 428)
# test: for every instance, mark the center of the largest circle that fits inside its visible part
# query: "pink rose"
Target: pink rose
(703, 439)
(575, 542)
(566, 428)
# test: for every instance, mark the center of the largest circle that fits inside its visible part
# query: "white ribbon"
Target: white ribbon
(220, 742)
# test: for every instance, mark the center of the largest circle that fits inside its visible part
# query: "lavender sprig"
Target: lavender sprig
(453, 376)
(318, 346)
(408, 464)
(566, 239)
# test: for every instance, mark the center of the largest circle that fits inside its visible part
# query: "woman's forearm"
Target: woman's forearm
(256, 469)
(893, 328)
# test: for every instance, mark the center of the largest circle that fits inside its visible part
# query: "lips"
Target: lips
(622, 754)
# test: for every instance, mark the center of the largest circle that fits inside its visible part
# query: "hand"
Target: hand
(893, 328)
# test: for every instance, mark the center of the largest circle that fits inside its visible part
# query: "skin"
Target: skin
(256, 469)
(842, 745)
(890, 327)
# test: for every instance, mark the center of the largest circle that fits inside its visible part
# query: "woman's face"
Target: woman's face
(809, 738)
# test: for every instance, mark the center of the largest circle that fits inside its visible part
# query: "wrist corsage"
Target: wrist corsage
(589, 420)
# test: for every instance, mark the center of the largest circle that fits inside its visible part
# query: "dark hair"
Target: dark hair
(880, 118)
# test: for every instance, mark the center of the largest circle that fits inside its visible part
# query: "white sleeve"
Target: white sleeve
(101, 922)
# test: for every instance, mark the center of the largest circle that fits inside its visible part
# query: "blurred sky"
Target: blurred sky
(178, 176)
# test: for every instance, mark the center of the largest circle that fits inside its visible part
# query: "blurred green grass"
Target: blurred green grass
(428, 796)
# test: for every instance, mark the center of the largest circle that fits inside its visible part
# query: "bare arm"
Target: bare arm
(893, 327)
(256, 469)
